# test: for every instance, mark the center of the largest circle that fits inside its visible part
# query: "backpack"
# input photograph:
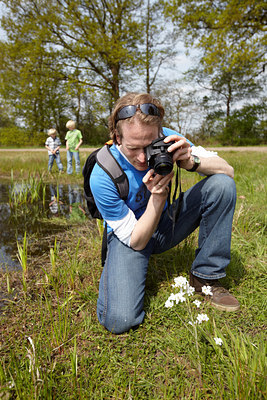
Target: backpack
(104, 158)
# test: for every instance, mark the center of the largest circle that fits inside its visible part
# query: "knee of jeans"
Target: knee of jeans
(117, 323)
(223, 185)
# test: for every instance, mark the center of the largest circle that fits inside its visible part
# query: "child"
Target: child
(53, 144)
(73, 142)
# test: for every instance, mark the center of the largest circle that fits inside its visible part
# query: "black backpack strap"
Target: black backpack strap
(109, 164)
(104, 245)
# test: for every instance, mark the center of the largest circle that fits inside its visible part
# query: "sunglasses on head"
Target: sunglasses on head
(129, 111)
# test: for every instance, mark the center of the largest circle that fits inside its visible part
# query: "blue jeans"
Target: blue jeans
(210, 205)
(51, 159)
(76, 156)
(75, 195)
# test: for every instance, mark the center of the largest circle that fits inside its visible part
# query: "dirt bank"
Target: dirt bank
(262, 149)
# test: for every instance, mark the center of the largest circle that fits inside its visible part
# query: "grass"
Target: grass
(52, 346)
(27, 163)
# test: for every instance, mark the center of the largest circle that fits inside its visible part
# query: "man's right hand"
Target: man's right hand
(157, 184)
(148, 222)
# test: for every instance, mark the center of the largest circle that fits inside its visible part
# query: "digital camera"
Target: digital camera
(158, 157)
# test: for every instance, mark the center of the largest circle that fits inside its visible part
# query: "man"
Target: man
(141, 226)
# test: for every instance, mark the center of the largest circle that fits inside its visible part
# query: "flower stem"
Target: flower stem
(195, 333)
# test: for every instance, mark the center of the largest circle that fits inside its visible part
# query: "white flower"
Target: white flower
(190, 290)
(177, 297)
(180, 297)
(201, 318)
(207, 290)
(197, 303)
(218, 341)
(172, 297)
(169, 304)
(180, 282)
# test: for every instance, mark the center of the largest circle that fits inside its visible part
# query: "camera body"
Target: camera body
(158, 158)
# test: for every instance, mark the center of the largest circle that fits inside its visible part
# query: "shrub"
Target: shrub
(14, 136)
(246, 126)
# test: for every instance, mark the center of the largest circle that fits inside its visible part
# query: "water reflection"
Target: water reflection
(56, 194)
(62, 201)
(6, 246)
(75, 201)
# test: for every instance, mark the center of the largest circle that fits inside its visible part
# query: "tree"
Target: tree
(35, 96)
(227, 84)
(246, 126)
(5, 119)
(160, 42)
(98, 38)
(210, 24)
(230, 36)
(182, 112)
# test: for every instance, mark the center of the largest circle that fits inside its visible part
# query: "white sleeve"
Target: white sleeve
(199, 151)
(124, 227)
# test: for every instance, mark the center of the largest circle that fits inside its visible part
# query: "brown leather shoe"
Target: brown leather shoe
(221, 298)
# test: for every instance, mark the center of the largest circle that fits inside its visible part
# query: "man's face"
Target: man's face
(135, 137)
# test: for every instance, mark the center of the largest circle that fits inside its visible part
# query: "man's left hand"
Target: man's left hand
(181, 151)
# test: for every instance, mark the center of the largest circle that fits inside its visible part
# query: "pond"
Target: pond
(34, 217)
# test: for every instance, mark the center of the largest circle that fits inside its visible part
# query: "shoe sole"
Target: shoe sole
(225, 308)
(218, 306)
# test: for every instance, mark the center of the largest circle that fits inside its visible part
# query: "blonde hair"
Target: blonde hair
(71, 124)
(52, 131)
(134, 99)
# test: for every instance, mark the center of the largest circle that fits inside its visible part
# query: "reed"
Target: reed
(28, 190)
(22, 257)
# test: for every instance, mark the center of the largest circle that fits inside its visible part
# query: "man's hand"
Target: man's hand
(148, 222)
(157, 184)
(181, 151)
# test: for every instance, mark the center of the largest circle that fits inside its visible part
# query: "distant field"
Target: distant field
(222, 148)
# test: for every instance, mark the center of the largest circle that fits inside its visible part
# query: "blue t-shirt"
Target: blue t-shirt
(106, 196)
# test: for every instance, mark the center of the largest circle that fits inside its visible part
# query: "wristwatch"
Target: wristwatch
(196, 164)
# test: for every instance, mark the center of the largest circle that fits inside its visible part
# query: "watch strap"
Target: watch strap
(196, 164)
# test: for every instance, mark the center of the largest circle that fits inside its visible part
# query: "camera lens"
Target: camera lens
(163, 164)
